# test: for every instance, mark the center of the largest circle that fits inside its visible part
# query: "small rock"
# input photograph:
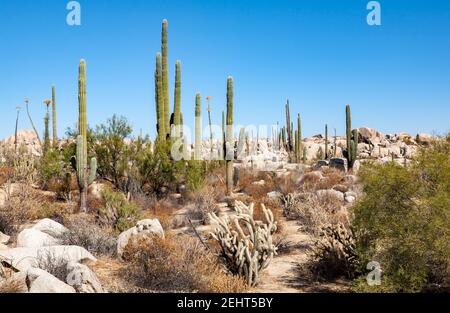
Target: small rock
(4, 239)
(330, 193)
(83, 279)
(144, 229)
(274, 194)
(339, 163)
(350, 199)
(259, 183)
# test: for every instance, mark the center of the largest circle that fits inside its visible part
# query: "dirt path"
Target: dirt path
(283, 274)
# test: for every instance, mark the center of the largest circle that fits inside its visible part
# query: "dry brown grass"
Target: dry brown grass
(163, 210)
(176, 264)
(11, 286)
(6, 174)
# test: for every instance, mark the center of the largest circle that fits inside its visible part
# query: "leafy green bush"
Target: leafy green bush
(51, 168)
(404, 218)
(195, 175)
(118, 212)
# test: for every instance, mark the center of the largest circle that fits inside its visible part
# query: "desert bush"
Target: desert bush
(204, 203)
(51, 169)
(313, 211)
(246, 245)
(334, 254)
(403, 218)
(53, 264)
(84, 232)
(118, 212)
(177, 264)
(21, 205)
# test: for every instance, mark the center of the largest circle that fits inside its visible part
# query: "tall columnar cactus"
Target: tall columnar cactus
(198, 128)
(46, 128)
(223, 137)
(296, 149)
(247, 245)
(208, 99)
(229, 136)
(159, 99)
(326, 141)
(288, 127)
(55, 135)
(241, 144)
(352, 139)
(165, 76)
(85, 175)
(299, 136)
(177, 100)
(283, 137)
(15, 131)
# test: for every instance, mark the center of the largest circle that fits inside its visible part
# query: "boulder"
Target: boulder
(4, 239)
(24, 258)
(274, 194)
(424, 139)
(369, 135)
(32, 238)
(50, 227)
(40, 281)
(339, 163)
(82, 279)
(330, 193)
(143, 229)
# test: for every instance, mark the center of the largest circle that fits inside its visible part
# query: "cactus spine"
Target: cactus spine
(198, 130)
(85, 175)
(55, 135)
(177, 100)
(352, 139)
(229, 136)
(159, 98)
(326, 141)
(165, 77)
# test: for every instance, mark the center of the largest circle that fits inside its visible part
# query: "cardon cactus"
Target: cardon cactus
(165, 77)
(229, 151)
(198, 128)
(177, 101)
(46, 129)
(352, 139)
(247, 245)
(85, 175)
(159, 99)
(55, 135)
(288, 127)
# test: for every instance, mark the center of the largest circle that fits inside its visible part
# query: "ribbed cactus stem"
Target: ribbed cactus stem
(80, 162)
(177, 100)
(159, 98)
(229, 136)
(299, 136)
(352, 139)
(223, 136)
(288, 127)
(82, 120)
(326, 141)
(46, 129)
(198, 130)
(165, 76)
(55, 135)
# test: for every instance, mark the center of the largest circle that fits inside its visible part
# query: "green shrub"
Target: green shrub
(403, 218)
(195, 175)
(118, 212)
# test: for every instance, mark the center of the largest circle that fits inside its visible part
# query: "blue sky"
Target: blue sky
(321, 54)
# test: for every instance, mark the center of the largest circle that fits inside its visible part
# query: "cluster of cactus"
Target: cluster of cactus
(85, 175)
(246, 244)
(167, 122)
(352, 139)
(229, 144)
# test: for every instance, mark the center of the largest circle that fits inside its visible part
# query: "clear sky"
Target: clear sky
(321, 54)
